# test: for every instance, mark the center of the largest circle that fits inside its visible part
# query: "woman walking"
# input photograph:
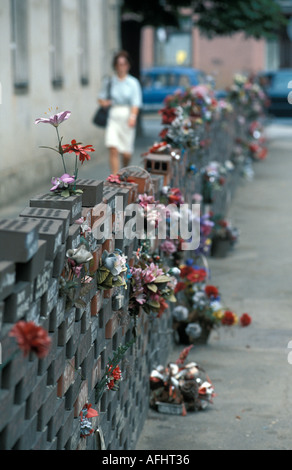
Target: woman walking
(125, 101)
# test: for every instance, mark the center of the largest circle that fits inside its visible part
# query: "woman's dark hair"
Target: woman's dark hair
(119, 54)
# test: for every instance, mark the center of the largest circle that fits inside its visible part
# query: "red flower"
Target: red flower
(168, 115)
(185, 271)
(211, 291)
(179, 287)
(228, 318)
(263, 153)
(31, 337)
(114, 376)
(198, 275)
(157, 147)
(163, 133)
(163, 306)
(184, 354)
(245, 319)
(79, 150)
(89, 411)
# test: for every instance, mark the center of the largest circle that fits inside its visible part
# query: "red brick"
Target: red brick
(112, 326)
(96, 303)
(67, 378)
(81, 399)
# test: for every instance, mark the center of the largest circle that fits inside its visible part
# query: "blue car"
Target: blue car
(159, 82)
(278, 88)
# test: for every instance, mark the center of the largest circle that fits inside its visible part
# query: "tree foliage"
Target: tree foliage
(256, 18)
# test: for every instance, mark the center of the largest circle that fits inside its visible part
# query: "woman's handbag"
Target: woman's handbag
(101, 115)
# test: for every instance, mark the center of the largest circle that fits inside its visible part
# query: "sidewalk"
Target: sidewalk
(248, 367)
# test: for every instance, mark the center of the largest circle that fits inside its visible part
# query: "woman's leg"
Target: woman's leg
(126, 159)
(114, 160)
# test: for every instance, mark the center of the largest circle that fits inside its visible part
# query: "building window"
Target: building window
(19, 44)
(83, 43)
(56, 49)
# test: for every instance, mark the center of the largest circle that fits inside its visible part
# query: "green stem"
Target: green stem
(76, 172)
(61, 150)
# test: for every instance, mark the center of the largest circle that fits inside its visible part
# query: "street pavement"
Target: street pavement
(248, 367)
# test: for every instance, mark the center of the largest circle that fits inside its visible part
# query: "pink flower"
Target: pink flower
(56, 119)
(144, 200)
(168, 247)
(62, 182)
(114, 179)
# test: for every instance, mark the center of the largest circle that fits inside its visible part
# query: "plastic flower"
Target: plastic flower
(80, 255)
(62, 182)
(163, 306)
(144, 200)
(229, 318)
(79, 150)
(168, 247)
(114, 376)
(245, 319)
(31, 338)
(212, 291)
(114, 262)
(197, 275)
(114, 179)
(184, 354)
(56, 119)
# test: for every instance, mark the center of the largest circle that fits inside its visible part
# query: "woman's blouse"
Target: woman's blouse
(125, 92)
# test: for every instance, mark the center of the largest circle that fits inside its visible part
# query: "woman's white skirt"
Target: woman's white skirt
(118, 133)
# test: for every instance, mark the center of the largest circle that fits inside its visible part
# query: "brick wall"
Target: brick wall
(41, 399)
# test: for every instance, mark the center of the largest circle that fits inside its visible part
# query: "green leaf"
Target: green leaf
(171, 298)
(65, 193)
(152, 287)
(101, 275)
(162, 278)
(119, 282)
(153, 303)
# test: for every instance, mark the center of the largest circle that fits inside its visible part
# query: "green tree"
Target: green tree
(256, 18)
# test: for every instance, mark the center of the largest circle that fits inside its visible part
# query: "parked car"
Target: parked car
(277, 85)
(159, 82)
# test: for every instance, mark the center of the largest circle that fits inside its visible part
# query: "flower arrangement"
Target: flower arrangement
(152, 287)
(112, 375)
(248, 96)
(179, 132)
(197, 102)
(112, 270)
(86, 414)
(75, 280)
(223, 235)
(199, 308)
(213, 178)
(179, 387)
(65, 185)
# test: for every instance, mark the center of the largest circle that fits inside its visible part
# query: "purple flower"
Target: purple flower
(62, 182)
(56, 119)
(168, 247)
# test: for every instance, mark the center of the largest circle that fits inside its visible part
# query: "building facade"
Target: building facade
(53, 54)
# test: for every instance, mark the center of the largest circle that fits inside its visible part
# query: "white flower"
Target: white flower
(194, 330)
(180, 313)
(80, 255)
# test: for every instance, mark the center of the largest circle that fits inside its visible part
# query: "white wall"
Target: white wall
(23, 164)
